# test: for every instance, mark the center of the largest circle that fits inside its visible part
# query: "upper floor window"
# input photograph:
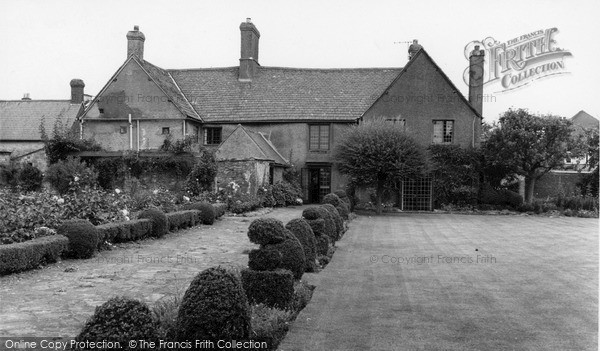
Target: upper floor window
(123, 129)
(318, 136)
(166, 131)
(443, 131)
(212, 136)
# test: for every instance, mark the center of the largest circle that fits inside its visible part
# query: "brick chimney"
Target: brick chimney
(135, 43)
(77, 86)
(476, 61)
(249, 52)
(413, 49)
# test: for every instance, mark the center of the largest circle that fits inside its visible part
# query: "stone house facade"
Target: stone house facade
(301, 112)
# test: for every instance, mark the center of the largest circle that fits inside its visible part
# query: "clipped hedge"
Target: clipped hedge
(220, 209)
(292, 254)
(182, 219)
(337, 219)
(83, 237)
(344, 210)
(208, 212)
(332, 199)
(322, 245)
(31, 254)
(119, 232)
(302, 231)
(214, 307)
(160, 225)
(120, 319)
(272, 288)
(316, 212)
(264, 259)
(266, 231)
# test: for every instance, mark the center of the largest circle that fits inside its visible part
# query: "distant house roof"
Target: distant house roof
(584, 120)
(283, 94)
(20, 119)
(244, 144)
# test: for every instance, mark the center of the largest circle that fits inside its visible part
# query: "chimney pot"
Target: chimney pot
(26, 97)
(136, 28)
(248, 20)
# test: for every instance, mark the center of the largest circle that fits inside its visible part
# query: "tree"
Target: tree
(529, 145)
(64, 142)
(378, 153)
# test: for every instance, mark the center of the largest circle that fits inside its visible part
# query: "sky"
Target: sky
(44, 44)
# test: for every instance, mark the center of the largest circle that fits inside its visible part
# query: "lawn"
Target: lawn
(456, 282)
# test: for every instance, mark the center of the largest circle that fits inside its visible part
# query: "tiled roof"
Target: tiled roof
(584, 120)
(168, 85)
(21, 119)
(267, 147)
(278, 94)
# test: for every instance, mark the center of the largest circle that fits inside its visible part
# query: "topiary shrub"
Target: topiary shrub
(266, 231)
(120, 319)
(311, 213)
(160, 224)
(342, 195)
(273, 288)
(292, 254)
(317, 226)
(302, 231)
(337, 219)
(83, 237)
(322, 245)
(214, 308)
(220, 209)
(30, 178)
(264, 259)
(331, 199)
(344, 210)
(207, 213)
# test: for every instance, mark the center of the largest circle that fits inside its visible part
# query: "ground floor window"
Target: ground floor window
(316, 183)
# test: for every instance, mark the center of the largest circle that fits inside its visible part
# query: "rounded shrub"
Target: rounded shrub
(322, 246)
(214, 307)
(330, 226)
(311, 213)
(331, 198)
(302, 231)
(30, 178)
(207, 213)
(264, 259)
(273, 288)
(292, 254)
(160, 224)
(83, 237)
(344, 210)
(342, 195)
(339, 222)
(120, 319)
(317, 226)
(266, 231)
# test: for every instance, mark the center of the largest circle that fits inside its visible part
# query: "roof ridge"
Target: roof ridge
(288, 68)
(40, 100)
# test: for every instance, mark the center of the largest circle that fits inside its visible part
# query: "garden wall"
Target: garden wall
(558, 182)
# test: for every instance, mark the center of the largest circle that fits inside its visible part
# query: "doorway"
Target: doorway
(316, 183)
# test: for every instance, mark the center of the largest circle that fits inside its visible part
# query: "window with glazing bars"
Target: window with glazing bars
(319, 137)
(443, 131)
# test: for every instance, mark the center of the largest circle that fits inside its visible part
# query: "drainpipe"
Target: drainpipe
(184, 128)
(473, 135)
(130, 133)
(138, 134)
(81, 129)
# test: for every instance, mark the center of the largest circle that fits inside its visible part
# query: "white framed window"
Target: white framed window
(318, 135)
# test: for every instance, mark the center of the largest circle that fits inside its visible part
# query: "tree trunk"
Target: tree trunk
(379, 197)
(529, 186)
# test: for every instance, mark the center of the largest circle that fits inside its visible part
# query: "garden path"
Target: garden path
(56, 300)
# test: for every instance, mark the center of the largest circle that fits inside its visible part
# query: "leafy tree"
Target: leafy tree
(529, 145)
(203, 173)
(589, 182)
(377, 153)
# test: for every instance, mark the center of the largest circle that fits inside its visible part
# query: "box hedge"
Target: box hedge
(266, 231)
(119, 232)
(182, 219)
(302, 231)
(160, 225)
(265, 259)
(272, 288)
(83, 237)
(31, 254)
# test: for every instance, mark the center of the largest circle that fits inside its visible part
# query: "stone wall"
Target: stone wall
(26, 152)
(557, 182)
